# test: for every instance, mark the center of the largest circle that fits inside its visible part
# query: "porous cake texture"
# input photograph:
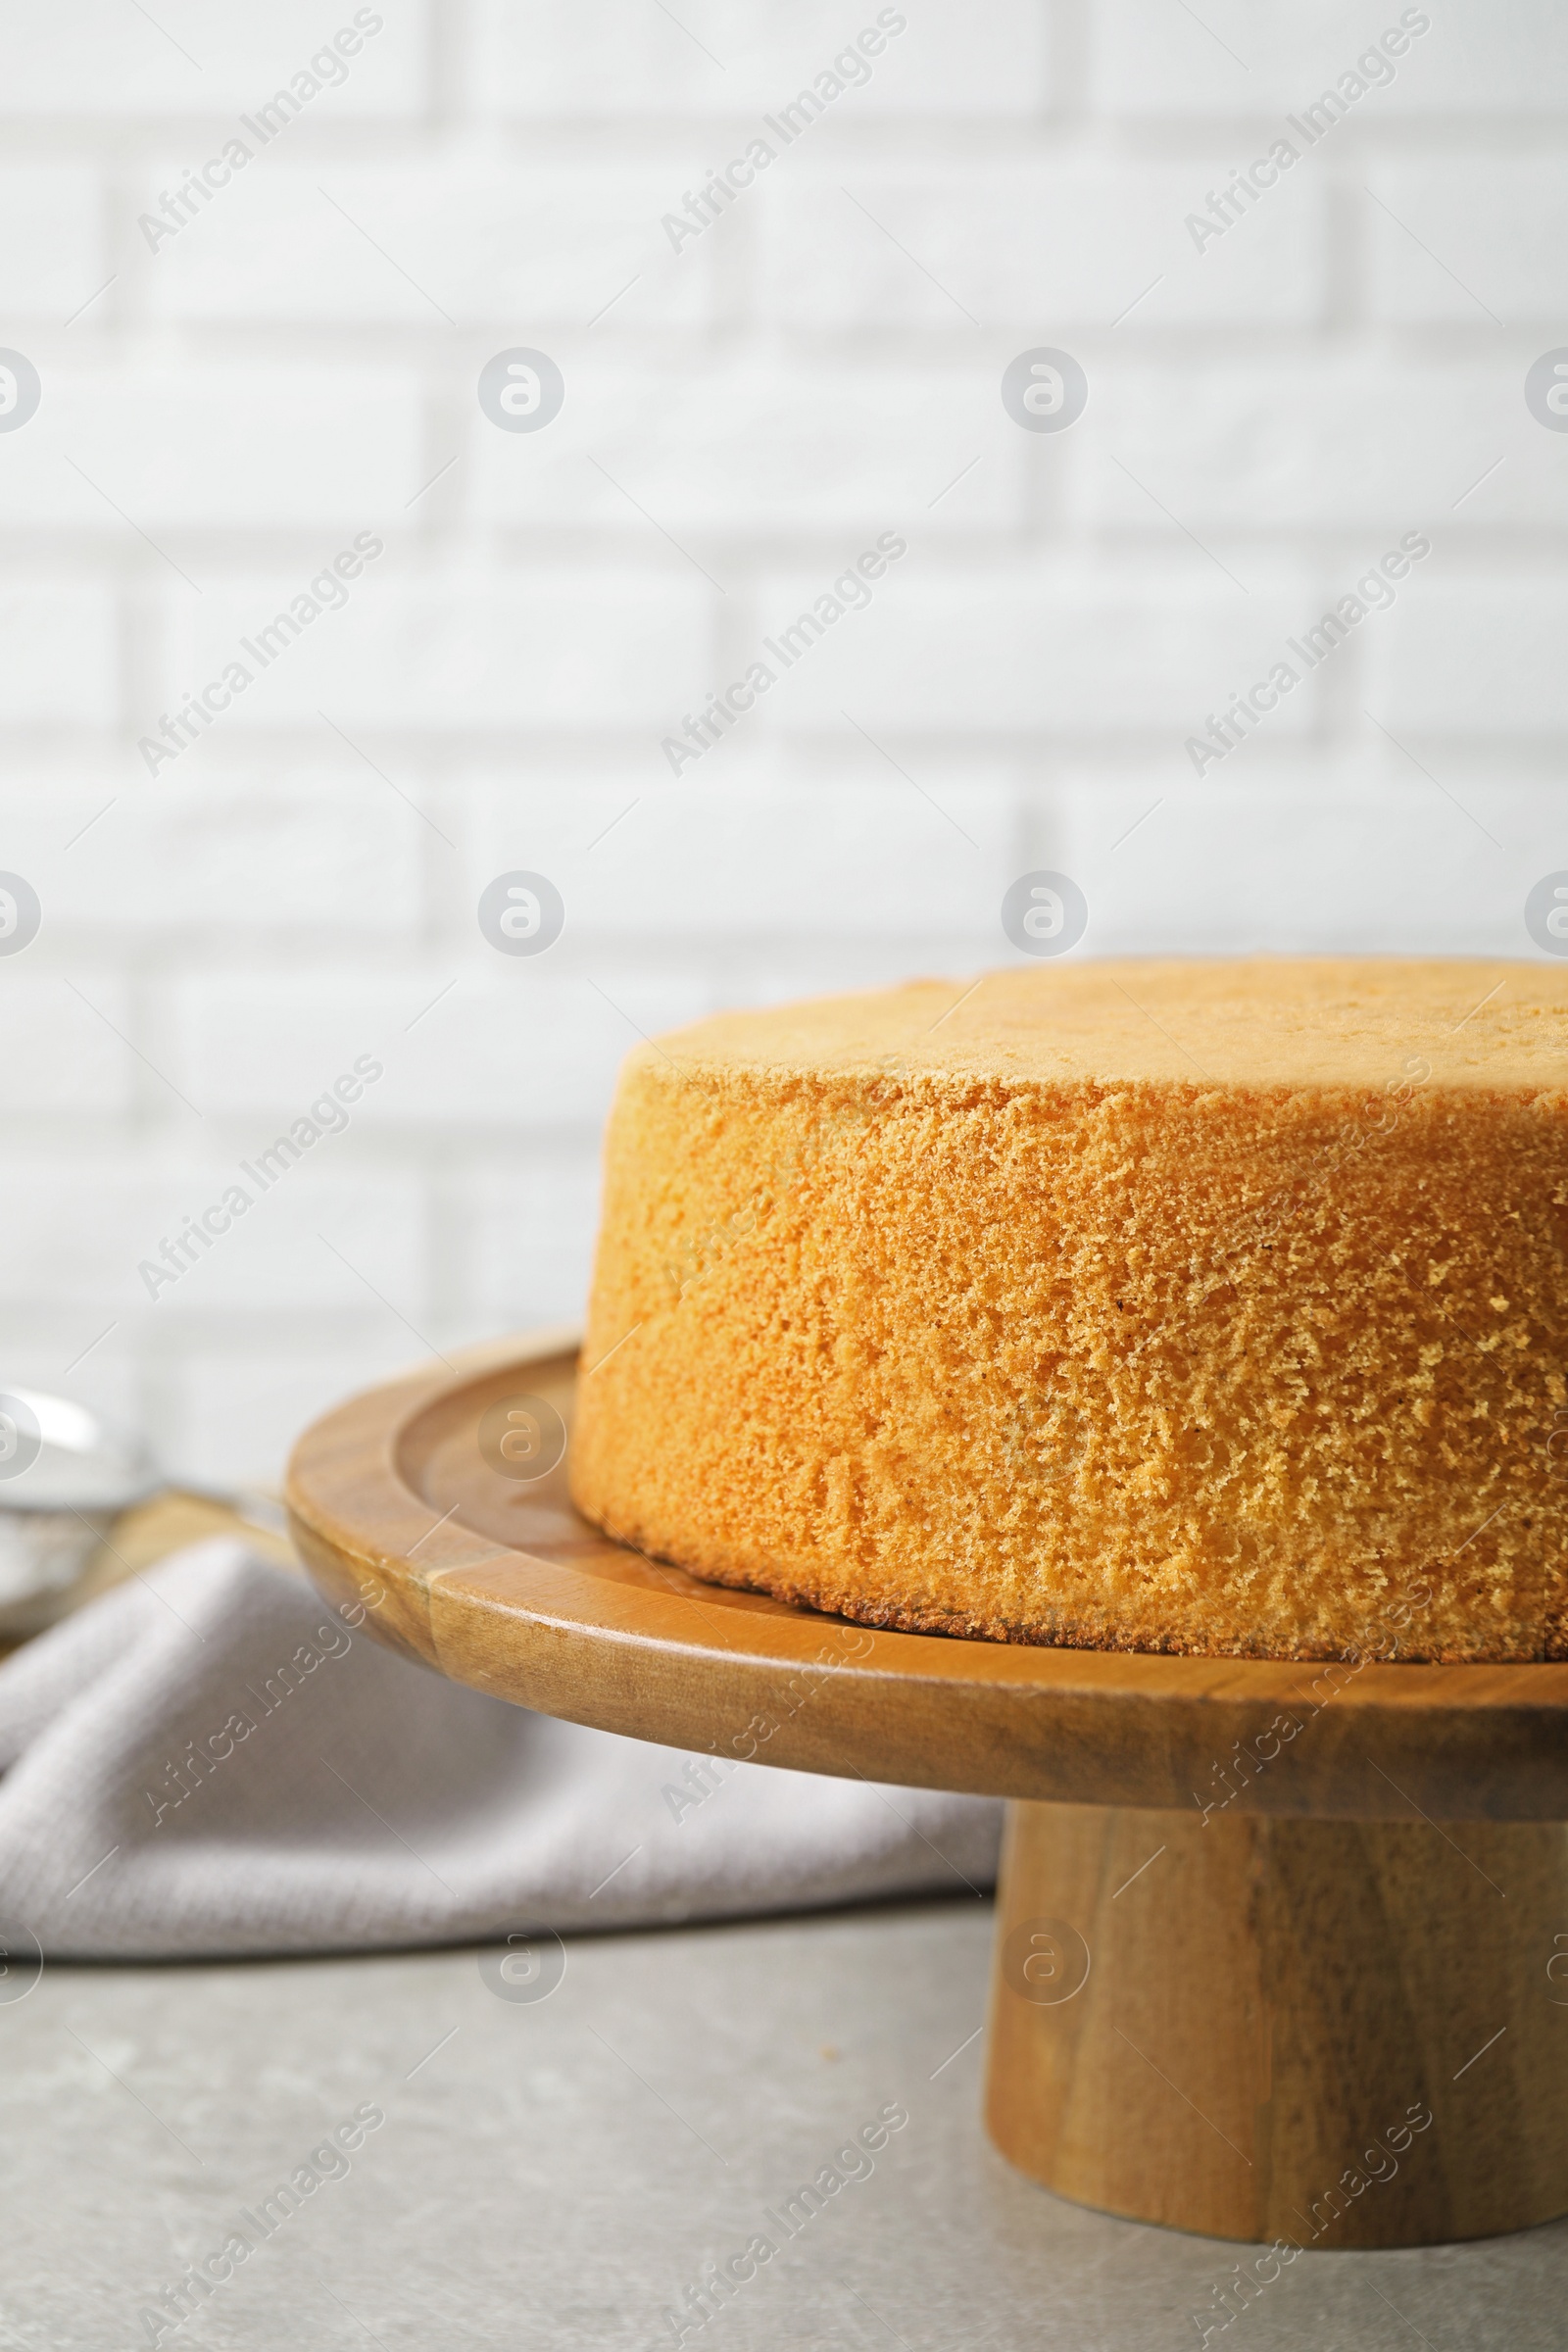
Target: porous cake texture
(1203, 1306)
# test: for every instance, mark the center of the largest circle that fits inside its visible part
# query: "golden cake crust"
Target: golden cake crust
(1201, 1306)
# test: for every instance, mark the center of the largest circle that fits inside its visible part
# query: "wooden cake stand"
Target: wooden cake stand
(1281, 1950)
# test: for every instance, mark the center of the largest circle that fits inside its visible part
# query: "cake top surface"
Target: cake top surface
(1255, 1022)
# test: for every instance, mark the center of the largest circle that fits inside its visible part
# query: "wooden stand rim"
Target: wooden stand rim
(501, 1585)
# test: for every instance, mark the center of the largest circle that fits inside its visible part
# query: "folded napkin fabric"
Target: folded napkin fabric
(209, 1762)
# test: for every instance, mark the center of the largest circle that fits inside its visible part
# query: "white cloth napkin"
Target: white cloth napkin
(180, 1781)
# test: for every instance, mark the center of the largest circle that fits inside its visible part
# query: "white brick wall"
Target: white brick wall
(1436, 258)
(484, 244)
(188, 450)
(949, 245)
(95, 62)
(51, 236)
(722, 59)
(225, 406)
(59, 652)
(449, 650)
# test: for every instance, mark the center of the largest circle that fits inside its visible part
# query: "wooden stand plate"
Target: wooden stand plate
(1282, 1950)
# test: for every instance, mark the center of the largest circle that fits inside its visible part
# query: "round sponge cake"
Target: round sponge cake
(1203, 1306)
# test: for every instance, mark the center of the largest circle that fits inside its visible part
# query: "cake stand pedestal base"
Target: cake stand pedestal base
(1337, 2032)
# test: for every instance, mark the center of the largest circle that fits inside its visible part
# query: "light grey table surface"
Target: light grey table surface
(559, 2171)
